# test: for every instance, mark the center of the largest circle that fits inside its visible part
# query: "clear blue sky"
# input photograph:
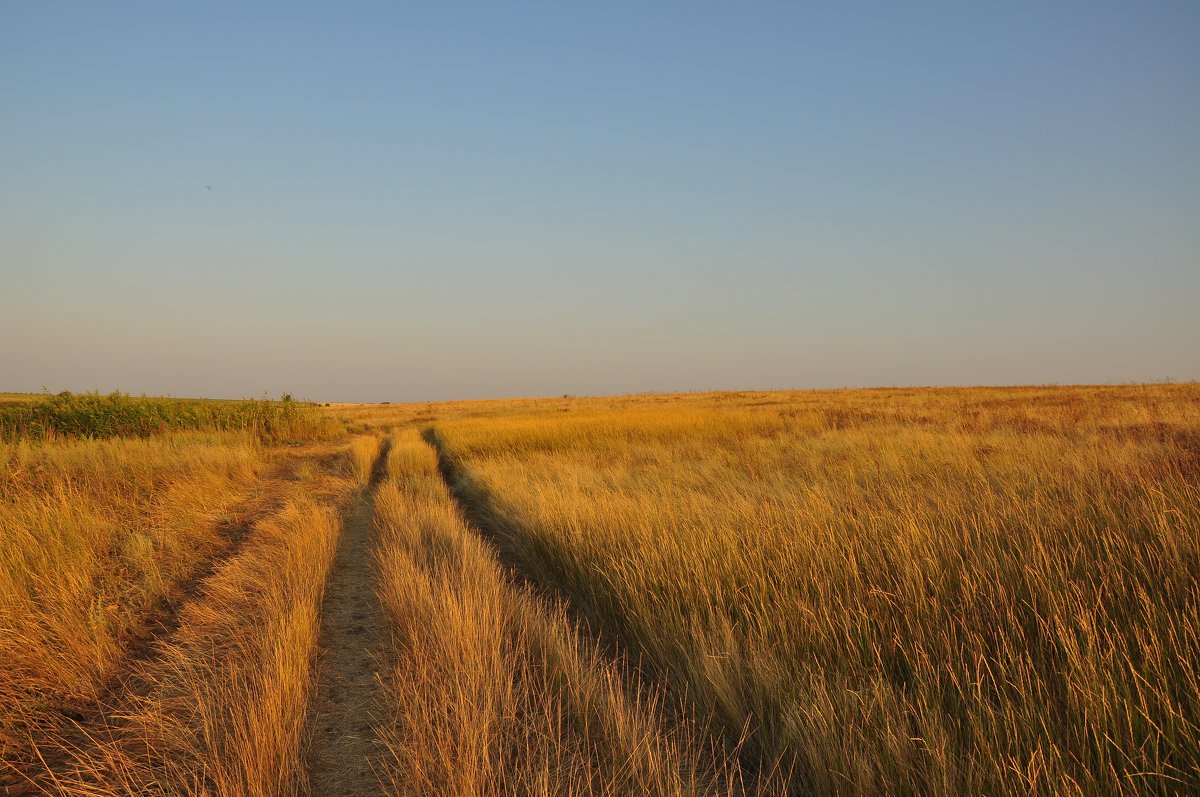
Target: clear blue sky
(368, 201)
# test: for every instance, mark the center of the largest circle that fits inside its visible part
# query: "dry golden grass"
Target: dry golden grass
(933, 592)
(363, 451)
(225, 701)
(986, 591)
(490, 689)
(93, 534)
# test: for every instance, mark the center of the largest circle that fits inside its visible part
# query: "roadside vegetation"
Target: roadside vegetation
(226, 698)
(120, 415)
(101, 535)
(491, 690)
(93, 534)
(876, 592)
(926, 592)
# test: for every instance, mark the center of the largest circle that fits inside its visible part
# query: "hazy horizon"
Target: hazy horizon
(373, 203)
(551, 396)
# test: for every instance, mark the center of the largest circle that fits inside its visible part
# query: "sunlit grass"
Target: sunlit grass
(893, 591)
(92, 535)
(491, 690)
(228, 693)
(98, 536)
(937, 592)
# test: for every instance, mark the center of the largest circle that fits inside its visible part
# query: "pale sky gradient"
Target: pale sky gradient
(477, 200)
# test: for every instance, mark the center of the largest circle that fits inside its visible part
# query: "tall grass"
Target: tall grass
(98, 538)
(913, 592)
(490, 689)
(93, 534)
(226, 706)
(119, 415)
(362, 454)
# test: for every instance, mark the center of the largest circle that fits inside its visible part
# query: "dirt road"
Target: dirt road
(342, 748)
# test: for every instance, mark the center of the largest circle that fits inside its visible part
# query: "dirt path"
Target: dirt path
(342, 748)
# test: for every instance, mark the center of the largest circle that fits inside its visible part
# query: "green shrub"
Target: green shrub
(120, 415)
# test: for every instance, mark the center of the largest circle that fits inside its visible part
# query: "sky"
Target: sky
(409, 202)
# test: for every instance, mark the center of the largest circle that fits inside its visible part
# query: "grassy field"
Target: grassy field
(932, 592)
(224, 703)
(507, 697)
(92, 535)
(103, 534)
(936, 591)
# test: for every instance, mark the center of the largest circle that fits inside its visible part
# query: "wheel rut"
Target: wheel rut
(342, 749)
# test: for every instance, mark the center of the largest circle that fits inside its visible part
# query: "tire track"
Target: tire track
(342, 749)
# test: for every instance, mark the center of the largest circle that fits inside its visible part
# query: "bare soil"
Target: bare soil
(342, 749)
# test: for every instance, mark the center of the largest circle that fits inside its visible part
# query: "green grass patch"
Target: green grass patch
(121, 415)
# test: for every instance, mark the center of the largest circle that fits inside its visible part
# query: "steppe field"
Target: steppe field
(985, 591)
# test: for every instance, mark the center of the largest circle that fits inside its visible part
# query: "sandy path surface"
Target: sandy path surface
(342, 748)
